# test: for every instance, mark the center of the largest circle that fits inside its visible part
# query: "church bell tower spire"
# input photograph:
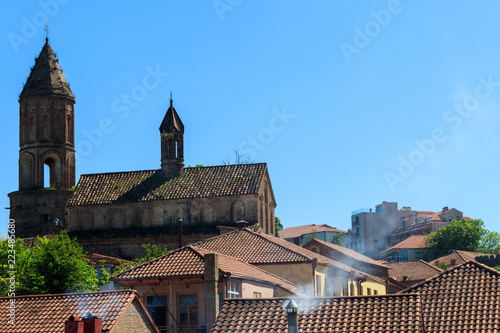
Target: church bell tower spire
(172, 142)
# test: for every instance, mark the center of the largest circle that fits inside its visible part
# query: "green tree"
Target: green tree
(152, 252)
(467, 235)
(441, 264)
(277, 225)
(51, 266)
(56, 266)
(337, 239)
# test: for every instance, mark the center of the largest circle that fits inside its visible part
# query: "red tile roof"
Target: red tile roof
(307, 229)
(459, 256)
(463, 299)
(415, 270)
(47, 313)
(150, 185)
(256, 248)
(188, 262)
(387, 313)
(95, 259)
(412, 242)
(350, 253)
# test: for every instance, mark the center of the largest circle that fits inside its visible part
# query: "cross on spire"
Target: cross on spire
(46, 31)
(171, 100)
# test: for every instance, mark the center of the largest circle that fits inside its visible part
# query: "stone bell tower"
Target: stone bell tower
(46, 142)
(172, 143)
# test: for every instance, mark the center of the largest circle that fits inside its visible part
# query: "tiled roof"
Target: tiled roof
(258, 248)
(415, 270)
(387, 313)
(307, 229)
(150, 185)
(47, 313)
(350, 253)
(463, 299)
(188, 262)
(459, 256)
(412, 242)
(172, 121)
(95, 259)
(46, 77)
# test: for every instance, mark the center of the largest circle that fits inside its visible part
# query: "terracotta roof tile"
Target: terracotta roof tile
(350, 253)
(462, 299)
(47, 313)
(412, 242)
(257, 248)
(388, 313)
(150, 185)
(307, 229)
(415, 270)
(95, 259)
(188, 262)
(458, 257)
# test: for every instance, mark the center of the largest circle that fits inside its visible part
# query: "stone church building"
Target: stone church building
(115, 213)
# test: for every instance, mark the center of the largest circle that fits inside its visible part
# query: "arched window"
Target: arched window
(52, 171)
(49, 177)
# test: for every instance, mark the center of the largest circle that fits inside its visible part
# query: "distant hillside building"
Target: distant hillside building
(302, 234)
(375, 230)
(114, 213)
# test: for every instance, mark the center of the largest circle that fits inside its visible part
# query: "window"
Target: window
(157, 308)
(257, 295)
(319, 286)
(450, 218)
(368, 291)
(234, 289)
(404, 256)
(188, 310)
(375, 292)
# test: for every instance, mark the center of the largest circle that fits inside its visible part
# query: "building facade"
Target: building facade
(374, 230)
(122, 208)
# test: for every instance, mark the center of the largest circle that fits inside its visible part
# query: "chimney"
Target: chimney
(291, 313)
(74, 325)
(242, 224)
(445, 208)
(211, 290)
(92, 325)
(180, 233)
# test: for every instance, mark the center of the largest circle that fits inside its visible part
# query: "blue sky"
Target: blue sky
(349, 104)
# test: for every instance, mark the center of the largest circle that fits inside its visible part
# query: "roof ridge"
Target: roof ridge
(450, 270)
(283, 247)
(432, 266)
(117, 172)
(133, 291)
